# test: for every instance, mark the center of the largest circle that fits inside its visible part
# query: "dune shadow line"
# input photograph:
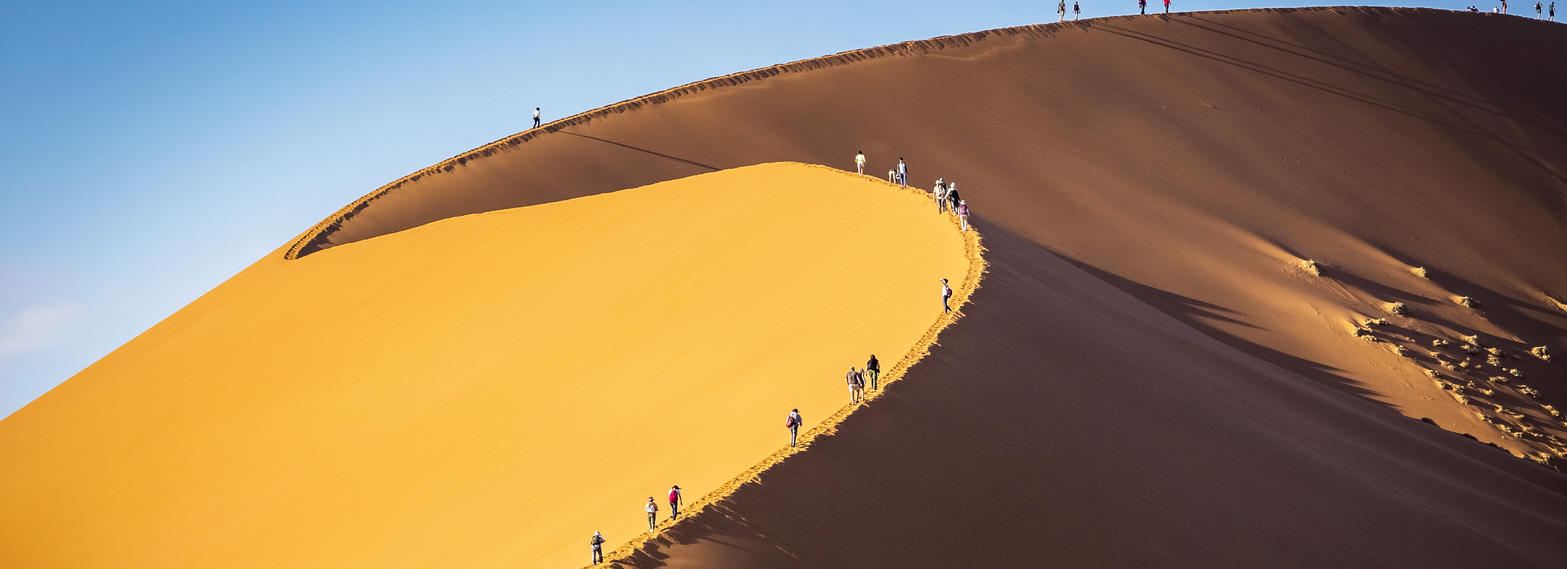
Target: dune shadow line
(709, 167)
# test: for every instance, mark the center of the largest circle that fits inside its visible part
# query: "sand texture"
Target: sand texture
(1233, 259)
(484, 391)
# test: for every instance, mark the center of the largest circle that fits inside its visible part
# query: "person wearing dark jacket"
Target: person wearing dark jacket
(872, 371)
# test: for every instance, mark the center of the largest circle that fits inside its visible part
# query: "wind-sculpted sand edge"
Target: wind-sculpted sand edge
(313, 239)
(973, 250)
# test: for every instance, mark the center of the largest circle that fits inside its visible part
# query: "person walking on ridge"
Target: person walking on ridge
(903, 173)
(597, 543)
(1142, 7)
(535, 117)
(872, 371)
(946, 294)
(963, 214)
(793, 423)
(952, 197)
(1076, 10)
(652, 513)
(856, 384)
(1061, 10)
(1553, 10)
(1167, 7)
(859, 162)
(941, 196)
(1536, 9)
(676, 499)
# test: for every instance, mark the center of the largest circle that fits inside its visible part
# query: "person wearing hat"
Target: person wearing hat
(597, 541)
(676, 499)
(963, 213)
(946, 293)
(652, 513)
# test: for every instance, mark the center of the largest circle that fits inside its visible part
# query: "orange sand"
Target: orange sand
(483, 391)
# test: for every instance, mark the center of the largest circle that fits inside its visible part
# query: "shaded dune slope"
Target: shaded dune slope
(1150, 375)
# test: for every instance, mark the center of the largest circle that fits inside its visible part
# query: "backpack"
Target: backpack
(789, 421)
(595, 541)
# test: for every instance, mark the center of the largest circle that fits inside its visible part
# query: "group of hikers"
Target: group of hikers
(1538, 8)
(1077, 9)
(676, 500)
(857, 378)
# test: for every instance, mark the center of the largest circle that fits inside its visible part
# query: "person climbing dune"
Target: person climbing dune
(859, 162)
(856, 384)
(1061, 11)
(963, 214)
(597, 543)
(903, 173)
(872, 371)
(652, 514)
(946, 294)
(676, 499)
(793, 423)
(535, 117)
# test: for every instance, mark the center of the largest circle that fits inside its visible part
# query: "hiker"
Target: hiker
(903, 173)
(597, 542)
(1536, 9)
(872, 371)
(1142, 7)
(1061, 10)
(946, 293)
(793, 422)
(1553, 10)
(952, 198)
(859, 162)
(941, 196)
(652, 513)
(963, 213)
(856, 384)
(535, 117)
(1076, 10)
(1504, 6)
(892, 175)
(676, 499)
(1167, 6)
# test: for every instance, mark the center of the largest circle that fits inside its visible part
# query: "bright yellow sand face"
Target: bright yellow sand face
(483, 391)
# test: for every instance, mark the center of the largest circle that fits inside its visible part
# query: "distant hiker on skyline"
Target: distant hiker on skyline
(859, 162)
(1076, 10)
(535, 117)
(1553, 10)
(1142, 7)
(903, 173)
(676, 499)
(597, 543)
(856, 383)
(1061, 10)
(963, 214)
(652, 513)
(1167, 6)
(793, 422)
(1536, 9)
(941, 196)
(1504, 6)
(872, 371)
(946, 293)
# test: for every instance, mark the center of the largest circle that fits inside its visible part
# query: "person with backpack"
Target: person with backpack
(903, 173)
(793, 423)
(946, 293)
(859, 162)
(1536, 9)
(872, 371)
(597, 543)
(1142, 7)
(963, 214)
(652, 514)
(676, 500)
(952, 198)
(941, 196)
(1076, 10)
(535, 117)
(1061, 10)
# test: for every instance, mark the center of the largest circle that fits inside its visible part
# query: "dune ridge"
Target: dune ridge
(314, 239)
(973, 251)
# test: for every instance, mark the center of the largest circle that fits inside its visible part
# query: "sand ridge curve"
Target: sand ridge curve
(973, 251)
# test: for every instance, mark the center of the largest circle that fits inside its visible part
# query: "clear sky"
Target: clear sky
(150, 150)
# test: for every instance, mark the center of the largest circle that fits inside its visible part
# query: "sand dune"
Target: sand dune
(1186, 351)
(484, 391)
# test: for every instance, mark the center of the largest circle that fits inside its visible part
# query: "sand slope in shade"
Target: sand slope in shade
(484, 391)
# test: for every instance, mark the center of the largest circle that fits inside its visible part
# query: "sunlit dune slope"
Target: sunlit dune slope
(484, 391)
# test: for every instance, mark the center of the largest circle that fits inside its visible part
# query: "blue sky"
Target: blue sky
(151, 150)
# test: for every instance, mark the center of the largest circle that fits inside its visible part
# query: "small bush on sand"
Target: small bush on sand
(1466, 302)
(1499, 379)
(1515, 372)
(1493, 360)
(1430, 373)
(1541, 352)
(1529, 391)
(1438, 342)
(1396, 308)
(1311, 267)
(1402, 351)
(1552, 410)
(1420, 272)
